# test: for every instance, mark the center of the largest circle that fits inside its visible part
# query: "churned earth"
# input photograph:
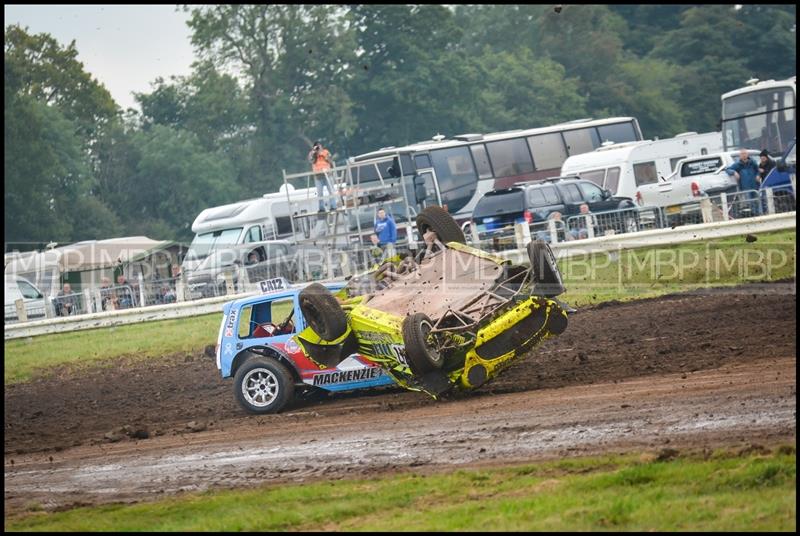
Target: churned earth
(694, 370)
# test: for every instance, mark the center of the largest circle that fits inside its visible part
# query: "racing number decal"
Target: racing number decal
(394, 351)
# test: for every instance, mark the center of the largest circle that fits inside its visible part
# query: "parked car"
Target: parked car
(258, 347)
(16, 288)
(782, 179)
(679, 194)
(262, 260)
(498, 210)
(623, 167)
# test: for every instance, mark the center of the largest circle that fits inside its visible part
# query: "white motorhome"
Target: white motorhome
(622, 167)
(253, 220)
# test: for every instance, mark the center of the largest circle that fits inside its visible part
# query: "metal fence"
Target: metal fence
(706, 209)
(312, 264)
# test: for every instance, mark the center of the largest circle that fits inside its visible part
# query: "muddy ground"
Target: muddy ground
(692, 370)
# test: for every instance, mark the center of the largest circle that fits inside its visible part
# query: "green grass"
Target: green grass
(649, 272)
(26, 357)
(631, 275)
(723, 492)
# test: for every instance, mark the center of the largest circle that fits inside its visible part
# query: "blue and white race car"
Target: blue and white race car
(264, 345)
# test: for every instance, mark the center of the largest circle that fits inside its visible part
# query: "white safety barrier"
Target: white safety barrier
(656, 237)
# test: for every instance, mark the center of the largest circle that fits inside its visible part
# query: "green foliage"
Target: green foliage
(271, 79)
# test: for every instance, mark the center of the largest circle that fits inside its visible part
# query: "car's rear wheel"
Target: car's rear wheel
(422, 358)
(263, 386)
(322, 312)
(440, 221)
(546, 275)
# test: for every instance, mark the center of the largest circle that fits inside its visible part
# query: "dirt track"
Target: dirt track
(689, 370)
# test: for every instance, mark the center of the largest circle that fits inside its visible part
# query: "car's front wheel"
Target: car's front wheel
(322, 312)
(421, 356)
(546, 275)
(263, 386)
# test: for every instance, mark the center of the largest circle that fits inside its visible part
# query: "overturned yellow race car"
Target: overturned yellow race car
(453, 317)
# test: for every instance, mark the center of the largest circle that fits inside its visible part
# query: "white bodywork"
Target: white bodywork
(624, 156)
(706, 172)
(16, 288)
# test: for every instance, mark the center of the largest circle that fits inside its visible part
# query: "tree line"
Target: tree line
(269, 80)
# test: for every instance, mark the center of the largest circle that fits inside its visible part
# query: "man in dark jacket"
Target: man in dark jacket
(745, 171)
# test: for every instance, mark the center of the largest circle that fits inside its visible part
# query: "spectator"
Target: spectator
(320, 159)
(385, 235)
(106, 295)
(764, 166)
(124, 293)
(167, 295)
(544, 234)
(582, 230)
(745, 171)
(66, 301)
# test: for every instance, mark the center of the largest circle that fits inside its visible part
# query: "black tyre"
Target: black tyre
(263, 386)
(546, 275)
(421, 357)
(322, 312)
(557, 321)
(442, 223)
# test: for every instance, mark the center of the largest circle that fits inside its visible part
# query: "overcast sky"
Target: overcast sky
(124, 47)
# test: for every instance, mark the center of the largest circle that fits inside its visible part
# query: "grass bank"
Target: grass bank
(641, 273)
(720, 491)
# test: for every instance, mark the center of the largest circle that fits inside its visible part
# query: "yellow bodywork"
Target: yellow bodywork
(380, 339)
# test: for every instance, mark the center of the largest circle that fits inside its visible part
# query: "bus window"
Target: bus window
(645, 173)
(582, 140)
(422, 161)
(456, 176)
(548, 150)
(365, 173)
(481, 161)
(618, 133)
(596, 176)
(612, 179)
(510, 157)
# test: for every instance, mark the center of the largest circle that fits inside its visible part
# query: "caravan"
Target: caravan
(621, 168)
(225, 234)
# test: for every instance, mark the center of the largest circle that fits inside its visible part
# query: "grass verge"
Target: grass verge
(628, 275)
(753, 490)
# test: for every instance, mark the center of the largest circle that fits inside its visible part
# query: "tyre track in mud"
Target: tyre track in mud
(688, 369)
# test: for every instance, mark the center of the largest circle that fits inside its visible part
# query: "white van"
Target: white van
(622, 167)
(16, 288)
(253, 220)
